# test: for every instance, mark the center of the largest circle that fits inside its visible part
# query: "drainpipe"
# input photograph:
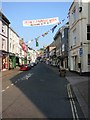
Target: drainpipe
(81, 61)
(81, 39)
(8, 46)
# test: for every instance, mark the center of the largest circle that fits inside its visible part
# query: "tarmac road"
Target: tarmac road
(39, 93)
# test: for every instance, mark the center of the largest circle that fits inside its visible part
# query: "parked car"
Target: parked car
(33, 64)
(25, 67)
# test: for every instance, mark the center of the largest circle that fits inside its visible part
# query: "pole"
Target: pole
(80, 66)
(81, 53)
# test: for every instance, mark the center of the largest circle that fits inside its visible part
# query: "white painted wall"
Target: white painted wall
(3, 35)
(81, 35)
(13, 42)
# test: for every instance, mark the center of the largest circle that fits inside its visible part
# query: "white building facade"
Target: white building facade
(4, 39)
(13, 48)
(79, 37)
(33, 55)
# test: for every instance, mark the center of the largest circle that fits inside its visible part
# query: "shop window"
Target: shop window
(88, 32)
(88, 59)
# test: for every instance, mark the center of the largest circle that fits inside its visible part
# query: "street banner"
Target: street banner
(41, 22)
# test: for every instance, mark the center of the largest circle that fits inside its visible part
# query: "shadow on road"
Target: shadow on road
(46, 90)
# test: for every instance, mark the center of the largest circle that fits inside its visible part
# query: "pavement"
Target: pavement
(80, 86)
(7, 72)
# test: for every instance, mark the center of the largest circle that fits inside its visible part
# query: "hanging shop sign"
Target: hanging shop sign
(41, 22)
(22, 44)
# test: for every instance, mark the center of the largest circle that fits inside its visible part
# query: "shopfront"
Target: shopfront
(4, 56)
(17, 61)
(12, 61)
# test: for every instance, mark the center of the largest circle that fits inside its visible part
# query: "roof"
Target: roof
(52, 44)
(57, 33)
(71, 5)
(4, 18)
(30, 48)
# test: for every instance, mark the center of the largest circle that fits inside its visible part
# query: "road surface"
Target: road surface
(38, 93)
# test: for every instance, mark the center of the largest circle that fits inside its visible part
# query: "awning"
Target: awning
(3, 53)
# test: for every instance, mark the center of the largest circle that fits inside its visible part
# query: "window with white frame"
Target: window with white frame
(3, 44)
(74, 13)
(63, 47)
(3, 28)
(74, 36)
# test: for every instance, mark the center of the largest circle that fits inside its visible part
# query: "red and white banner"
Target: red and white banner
(24, 47)
(41, 22)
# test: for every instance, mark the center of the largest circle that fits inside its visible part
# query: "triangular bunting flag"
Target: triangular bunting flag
(54, 28)
(37, 43)
(45, 34)
(63, 20)
(59, 23)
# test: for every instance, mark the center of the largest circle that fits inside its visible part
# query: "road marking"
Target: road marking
(71, 103)
(3, 90)
(23, 78)
(26, 77)
(74, 104)
(12, 84)
(73, 107)
(15, 81)
(7, 87)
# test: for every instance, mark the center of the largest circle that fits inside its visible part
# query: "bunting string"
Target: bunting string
(46, 33)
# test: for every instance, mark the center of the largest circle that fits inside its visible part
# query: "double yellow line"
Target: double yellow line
(72, 103)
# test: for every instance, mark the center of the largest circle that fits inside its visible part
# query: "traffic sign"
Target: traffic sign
(80, 51)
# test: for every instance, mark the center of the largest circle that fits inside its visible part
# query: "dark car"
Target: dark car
(25, 67)
(33, 64)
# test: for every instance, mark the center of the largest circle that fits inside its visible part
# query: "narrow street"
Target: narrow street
(38, 93)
